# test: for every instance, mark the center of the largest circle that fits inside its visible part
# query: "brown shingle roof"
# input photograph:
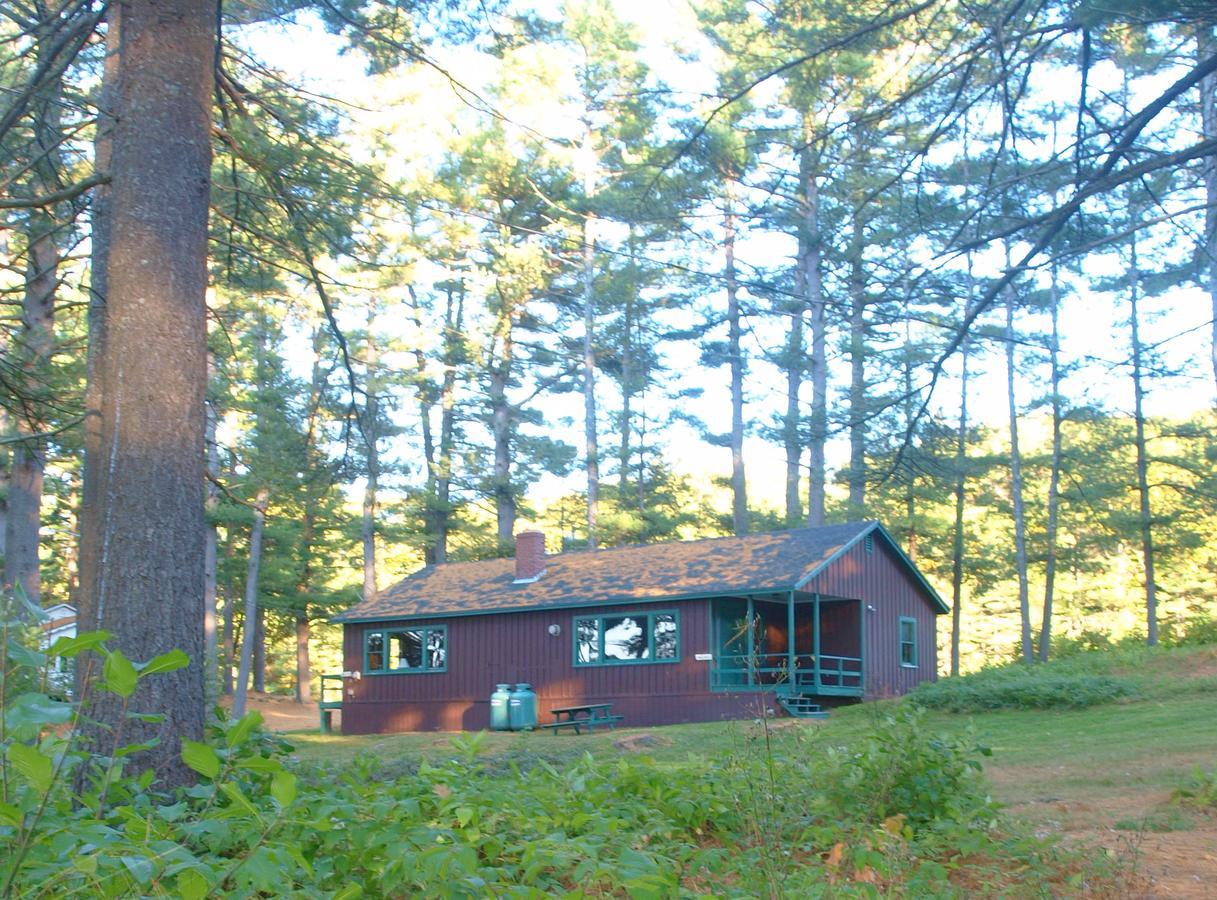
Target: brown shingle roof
(755, 563)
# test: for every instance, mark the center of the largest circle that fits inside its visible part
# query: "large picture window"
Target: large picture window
(627, 638)
(908, 641)
(423, 649)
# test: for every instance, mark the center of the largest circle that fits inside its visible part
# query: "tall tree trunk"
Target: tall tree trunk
(33, 348)
(259, 673)
(148, 572)
(90, 512)
(858, 407)
(961, 478)
(454, 323)
(1206, 46)
(1054, 477)
(500, 431)
(1016, 486)
(230, 615)
(792, 443)
(1145, 514)
(590, 436)
(211, 671)
(250, 628)
(631, 368)
(624, 451)
(739, 484)
(910, 418)
(371, 429)
(818, 323)
(858, 410)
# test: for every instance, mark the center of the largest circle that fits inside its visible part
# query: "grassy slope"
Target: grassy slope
(1152, 740)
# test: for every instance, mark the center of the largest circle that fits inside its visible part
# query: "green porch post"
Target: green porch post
(751, 644)
(815, 637)
(790, 655)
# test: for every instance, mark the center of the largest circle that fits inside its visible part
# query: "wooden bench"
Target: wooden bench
(578, 718)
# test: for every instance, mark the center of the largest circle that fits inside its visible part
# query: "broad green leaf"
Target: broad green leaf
(10, 815)
(151, 718)
(350, 892)
(120, 674)
(68, 647)
(140, 867)
(172, 813)
(86, 864)
(233, 792)
(33, 764)
(24, 656)
(28, 714)
(36, 612)
(239, 732)
(260, 764)
(128, 749)
(191, 885)
(283, 788)
(167, 662)
(201, 758)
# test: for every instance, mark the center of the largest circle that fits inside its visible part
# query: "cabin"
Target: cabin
(687, 631)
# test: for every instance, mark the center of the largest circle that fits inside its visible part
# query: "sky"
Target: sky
(1096, 352)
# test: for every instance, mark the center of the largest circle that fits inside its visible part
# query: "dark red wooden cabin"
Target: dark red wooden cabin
(680, 632)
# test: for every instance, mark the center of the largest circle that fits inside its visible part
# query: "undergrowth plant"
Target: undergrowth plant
(787, 815)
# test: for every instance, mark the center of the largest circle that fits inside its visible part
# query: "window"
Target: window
(908, 641)
(423, 649)
(629, 638)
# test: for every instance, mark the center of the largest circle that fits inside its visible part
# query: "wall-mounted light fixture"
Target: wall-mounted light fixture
(870, 607)
(554, 630)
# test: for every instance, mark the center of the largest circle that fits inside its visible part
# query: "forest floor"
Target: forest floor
(280, 713)
(1102, 777)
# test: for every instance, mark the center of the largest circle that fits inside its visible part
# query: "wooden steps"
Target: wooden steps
(802, 706)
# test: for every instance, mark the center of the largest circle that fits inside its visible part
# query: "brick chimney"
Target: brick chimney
(530, 556)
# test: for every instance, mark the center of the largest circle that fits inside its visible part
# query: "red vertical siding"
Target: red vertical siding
(511, 647)
(888, 592)
(486, 649)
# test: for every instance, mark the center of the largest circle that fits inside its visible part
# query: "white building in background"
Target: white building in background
(61, 622)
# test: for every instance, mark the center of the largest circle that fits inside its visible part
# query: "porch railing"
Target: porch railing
(831, 674)
(330, 700)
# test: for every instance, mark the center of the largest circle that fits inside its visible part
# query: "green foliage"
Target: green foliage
(786, 817)
(1016, 686)
(1199, 790)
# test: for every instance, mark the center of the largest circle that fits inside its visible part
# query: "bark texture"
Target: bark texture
(146, 579)
(249, 632)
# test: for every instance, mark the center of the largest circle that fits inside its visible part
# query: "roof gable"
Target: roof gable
(756, 563)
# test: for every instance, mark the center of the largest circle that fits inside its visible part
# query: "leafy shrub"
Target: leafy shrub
(1020, 687)
(787, 818)
(1199, 790)
(1198, 629)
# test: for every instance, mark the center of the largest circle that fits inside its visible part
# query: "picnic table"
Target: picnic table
(586, 716)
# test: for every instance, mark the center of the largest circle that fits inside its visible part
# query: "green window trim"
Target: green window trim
(386, 649)
(908, 642)
(593, 646)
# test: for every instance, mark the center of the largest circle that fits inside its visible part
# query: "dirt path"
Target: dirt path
(281, 713)
(1179, 863)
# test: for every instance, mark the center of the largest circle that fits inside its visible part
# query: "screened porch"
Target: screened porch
(791, 643)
